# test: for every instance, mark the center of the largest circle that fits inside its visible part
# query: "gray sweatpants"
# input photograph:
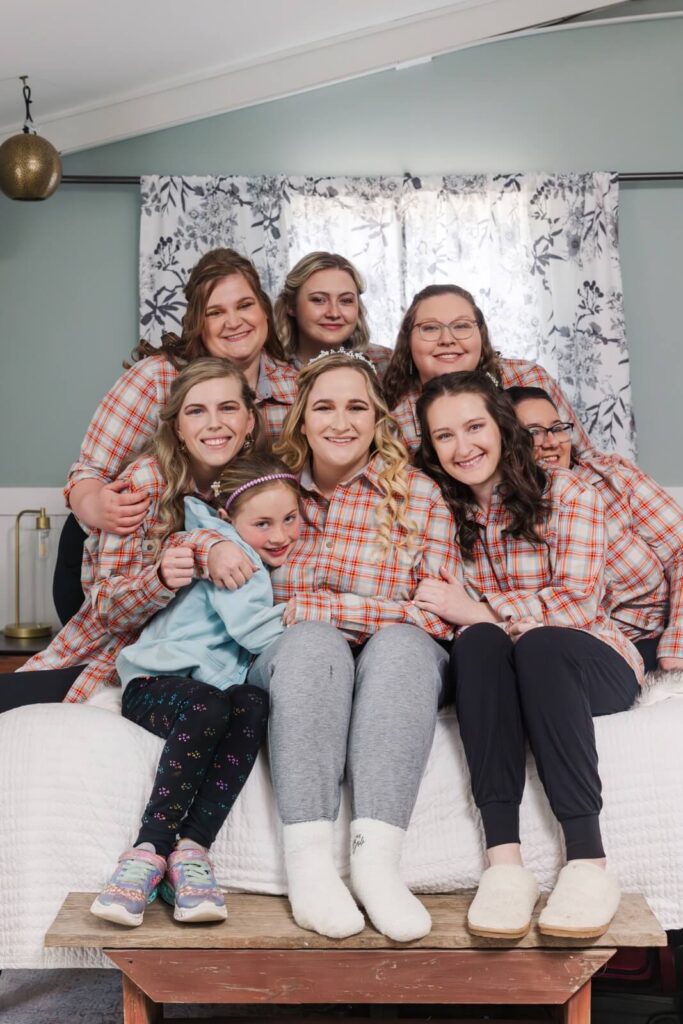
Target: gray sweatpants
(373, 716)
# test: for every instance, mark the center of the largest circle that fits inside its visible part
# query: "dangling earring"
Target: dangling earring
(248, 441)
(181, 444)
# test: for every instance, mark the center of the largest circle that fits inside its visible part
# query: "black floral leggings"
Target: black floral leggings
(212, 739)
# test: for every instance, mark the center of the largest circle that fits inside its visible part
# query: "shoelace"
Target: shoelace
(137, 871)
(197, 872)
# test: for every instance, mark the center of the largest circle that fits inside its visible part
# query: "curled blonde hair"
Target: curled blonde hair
(285, 321)
(171, 456)
(295, 451)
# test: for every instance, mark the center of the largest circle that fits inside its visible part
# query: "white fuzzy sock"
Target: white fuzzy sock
(376, 881)
(320, 900)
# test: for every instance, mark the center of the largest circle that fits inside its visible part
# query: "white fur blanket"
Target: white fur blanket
(75, 779)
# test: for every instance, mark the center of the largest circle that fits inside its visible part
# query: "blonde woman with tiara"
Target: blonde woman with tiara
(356, 679)
(208, 419)
(320, 310)
(184, 680)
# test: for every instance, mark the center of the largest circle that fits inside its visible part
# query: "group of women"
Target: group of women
(416, 536)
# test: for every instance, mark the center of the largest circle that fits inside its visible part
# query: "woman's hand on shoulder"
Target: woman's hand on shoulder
(176, 568)
(111, 508)
(229, 565)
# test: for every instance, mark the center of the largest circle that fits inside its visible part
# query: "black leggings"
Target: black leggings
(67, 592)
(43, 686)
(212, 739)
(547, 687)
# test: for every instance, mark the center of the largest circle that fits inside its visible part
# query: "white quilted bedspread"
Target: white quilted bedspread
(75, 780)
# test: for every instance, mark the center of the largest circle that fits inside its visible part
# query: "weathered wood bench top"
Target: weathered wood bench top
(265, 922)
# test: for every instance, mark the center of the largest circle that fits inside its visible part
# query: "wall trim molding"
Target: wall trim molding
(444, 29)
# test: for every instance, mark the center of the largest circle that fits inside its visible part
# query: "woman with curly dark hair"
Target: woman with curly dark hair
(443, 330)
(538, 657)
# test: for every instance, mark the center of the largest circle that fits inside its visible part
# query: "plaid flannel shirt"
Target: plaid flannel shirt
(338, 574)
(559, 582)
(645, 550)
(122, 591)
(128, 414)
(514, 373)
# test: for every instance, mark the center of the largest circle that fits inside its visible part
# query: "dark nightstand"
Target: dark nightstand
(13, 653)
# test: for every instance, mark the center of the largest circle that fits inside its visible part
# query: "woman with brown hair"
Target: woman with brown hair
(539, 656)
(320, 309)
(443, 330)
(356, 679)
(228, 316)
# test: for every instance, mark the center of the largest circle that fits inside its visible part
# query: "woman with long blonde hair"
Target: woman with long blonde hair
(356, 679)
(320, 309)
(209, 417)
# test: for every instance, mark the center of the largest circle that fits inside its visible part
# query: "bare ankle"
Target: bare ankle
(506, 853)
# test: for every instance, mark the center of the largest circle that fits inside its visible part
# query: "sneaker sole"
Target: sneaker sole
(202, 912)
(573, 933)
(115, 913)
(498, 933)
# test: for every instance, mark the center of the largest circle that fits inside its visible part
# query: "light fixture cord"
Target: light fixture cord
(26, 90)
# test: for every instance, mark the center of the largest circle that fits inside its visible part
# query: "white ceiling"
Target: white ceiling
(102, 72)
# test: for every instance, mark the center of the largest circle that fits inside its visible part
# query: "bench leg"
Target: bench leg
(138, 1008)
(577, 1009)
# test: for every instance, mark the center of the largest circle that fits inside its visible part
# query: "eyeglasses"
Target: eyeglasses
(433, 330)
(560, 431)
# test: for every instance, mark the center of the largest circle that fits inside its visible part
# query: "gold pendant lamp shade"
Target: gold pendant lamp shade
(30, 166)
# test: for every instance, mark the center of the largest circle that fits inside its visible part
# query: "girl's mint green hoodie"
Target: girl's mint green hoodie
(207, 632)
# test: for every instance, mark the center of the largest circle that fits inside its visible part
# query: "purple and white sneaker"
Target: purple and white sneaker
(191, 888)
(132, 886)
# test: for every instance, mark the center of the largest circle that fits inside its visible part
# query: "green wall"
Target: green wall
(598, 98)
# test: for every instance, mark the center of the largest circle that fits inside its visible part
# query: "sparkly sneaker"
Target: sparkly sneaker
(132, 886)
(190, 887)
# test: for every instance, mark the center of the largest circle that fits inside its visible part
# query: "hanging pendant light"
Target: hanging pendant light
(30, 167)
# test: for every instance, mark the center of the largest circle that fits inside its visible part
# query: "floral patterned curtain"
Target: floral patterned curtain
(538, 251)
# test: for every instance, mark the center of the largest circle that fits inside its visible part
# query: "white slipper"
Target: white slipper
(504, 903)
(582, 904)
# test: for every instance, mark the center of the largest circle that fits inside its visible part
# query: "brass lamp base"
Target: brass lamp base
(28, 630)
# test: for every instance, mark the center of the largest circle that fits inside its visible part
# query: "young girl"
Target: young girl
(356, 679)
(443, 331)
(644, 533)
(228, 316)
(209, 418)
(183, 680)
(533, 550)
(320, 309)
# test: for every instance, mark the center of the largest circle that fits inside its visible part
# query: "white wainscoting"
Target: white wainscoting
(12, 501)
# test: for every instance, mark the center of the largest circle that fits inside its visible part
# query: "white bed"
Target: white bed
(75, 780)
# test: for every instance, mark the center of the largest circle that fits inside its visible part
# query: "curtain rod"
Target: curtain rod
(130, 179)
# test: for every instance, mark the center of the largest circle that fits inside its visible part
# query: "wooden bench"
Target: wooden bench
(261, 956)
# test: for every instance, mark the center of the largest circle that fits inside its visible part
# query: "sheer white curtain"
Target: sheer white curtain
(538, 251)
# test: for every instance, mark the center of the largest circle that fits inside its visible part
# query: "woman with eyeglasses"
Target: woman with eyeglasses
(539, 656)
(644, 533)
(444, 330)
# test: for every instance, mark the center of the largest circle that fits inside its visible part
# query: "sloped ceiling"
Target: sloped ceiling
(100, 72)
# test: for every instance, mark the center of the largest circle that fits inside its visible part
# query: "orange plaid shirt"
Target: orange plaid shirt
(122, 591)
(644, 551)
(128, 414)
(514, 373)
(560, 582)
(337, 573)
